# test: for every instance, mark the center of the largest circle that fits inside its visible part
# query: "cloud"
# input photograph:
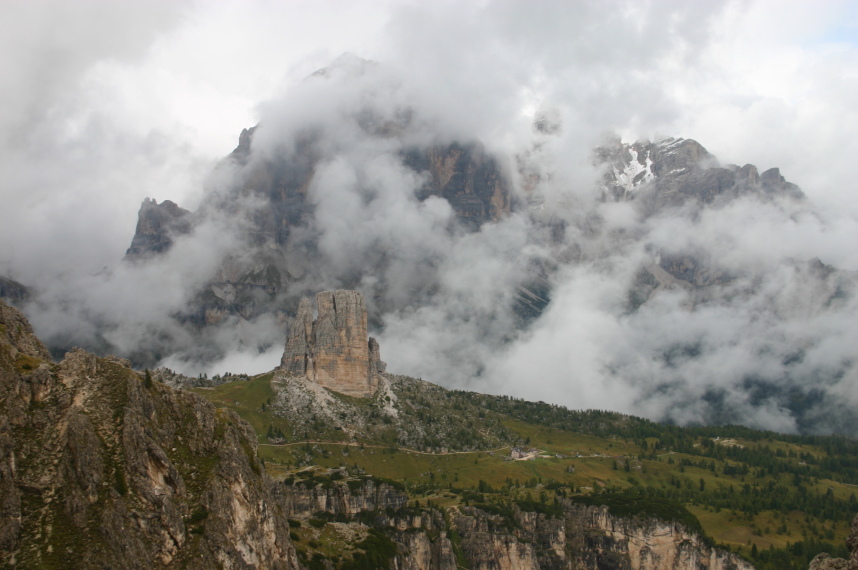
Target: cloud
(108, 104)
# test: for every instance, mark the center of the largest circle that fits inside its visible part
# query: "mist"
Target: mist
(87, 137)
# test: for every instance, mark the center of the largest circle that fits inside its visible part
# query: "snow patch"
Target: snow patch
(630, 176)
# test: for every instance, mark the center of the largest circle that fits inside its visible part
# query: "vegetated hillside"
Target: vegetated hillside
(776, 499)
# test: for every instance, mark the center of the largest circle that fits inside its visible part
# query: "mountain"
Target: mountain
(281, 245)
(643, 276)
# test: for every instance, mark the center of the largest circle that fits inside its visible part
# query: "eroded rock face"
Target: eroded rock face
(468, 178)
(103, 467)
(300, 500)
(157, 226)
(334, 349)
(602, 539)
(575, 536)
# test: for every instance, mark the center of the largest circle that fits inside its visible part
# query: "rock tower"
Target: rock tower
(334, 349)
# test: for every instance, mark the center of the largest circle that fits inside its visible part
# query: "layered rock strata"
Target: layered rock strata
(334, 349)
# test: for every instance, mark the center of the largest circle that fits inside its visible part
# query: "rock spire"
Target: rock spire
(334, 349)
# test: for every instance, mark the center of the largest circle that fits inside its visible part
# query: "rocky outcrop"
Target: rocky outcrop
(157, 227)
(602, 540)
(104, 467)
(348, 498)
(334, 349)
(419, 414)
(526, 540)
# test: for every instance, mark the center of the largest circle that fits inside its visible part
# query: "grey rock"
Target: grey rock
(157, 227)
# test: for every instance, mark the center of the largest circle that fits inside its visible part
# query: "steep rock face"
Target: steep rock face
(602, 540)
(488, 542)
(467, 178)
(109, 469)
(157, 225)
(422, 551)
(300, 500)
(575, 536)
(334, 349)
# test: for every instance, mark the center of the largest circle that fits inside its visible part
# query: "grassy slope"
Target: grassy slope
(588, 463)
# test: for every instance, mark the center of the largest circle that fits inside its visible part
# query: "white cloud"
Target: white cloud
(105, 104)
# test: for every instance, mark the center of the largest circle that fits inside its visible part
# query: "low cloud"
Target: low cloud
(87, 137)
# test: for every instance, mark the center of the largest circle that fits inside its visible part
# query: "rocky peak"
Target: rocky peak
(334, 349)
(157, 225)
(772, 181)
(242, 151)
(677, 171)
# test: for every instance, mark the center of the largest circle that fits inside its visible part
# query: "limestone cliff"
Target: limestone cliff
(347, 498)
(601, 540)
(334, 349)
(568, 535)
(100, 467)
